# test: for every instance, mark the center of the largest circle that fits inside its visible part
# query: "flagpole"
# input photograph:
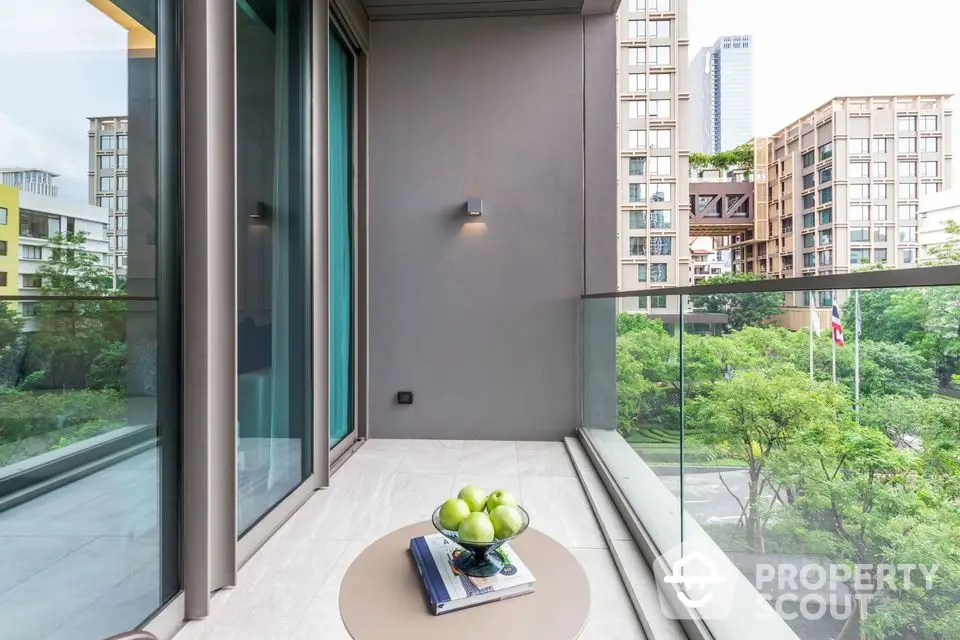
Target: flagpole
(833, 341)
(813, 310)
(856, 357)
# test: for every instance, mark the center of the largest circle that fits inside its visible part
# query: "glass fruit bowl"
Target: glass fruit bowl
(480, 559)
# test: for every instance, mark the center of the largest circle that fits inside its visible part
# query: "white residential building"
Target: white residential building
(935, 210)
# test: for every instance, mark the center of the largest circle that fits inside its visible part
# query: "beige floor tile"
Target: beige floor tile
(544, 459)
(559, 508)
(612, 616)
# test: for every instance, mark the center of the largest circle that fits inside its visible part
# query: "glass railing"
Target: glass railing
(805, 457)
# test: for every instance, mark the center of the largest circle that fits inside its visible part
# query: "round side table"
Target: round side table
(382, 597)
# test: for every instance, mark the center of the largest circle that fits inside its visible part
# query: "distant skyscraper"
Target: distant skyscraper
(721, 90)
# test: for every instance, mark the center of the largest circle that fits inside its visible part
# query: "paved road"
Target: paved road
(706, 498)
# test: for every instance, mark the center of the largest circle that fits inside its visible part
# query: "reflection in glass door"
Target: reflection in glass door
(341, 241)
(273, 302)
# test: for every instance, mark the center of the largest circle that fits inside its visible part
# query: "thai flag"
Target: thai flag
(837, 324)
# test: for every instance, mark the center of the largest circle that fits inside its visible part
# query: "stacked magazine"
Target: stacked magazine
(449, 590)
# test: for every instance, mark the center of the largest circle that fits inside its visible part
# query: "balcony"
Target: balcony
(721, 208)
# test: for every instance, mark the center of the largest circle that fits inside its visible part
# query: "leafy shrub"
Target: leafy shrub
(24, 414)
(109, 368)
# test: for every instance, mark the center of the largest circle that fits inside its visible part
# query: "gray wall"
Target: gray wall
(484, 327)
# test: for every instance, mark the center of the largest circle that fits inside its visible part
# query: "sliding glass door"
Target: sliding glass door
(342, 423)
(273, 255)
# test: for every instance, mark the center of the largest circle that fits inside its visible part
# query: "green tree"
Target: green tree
(11, 324)
(949, 251)
(647, 378)
(742, 309)
(77, 326)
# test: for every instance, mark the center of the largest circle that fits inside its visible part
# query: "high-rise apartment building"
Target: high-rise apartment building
(109, 177)
(841, 187)
(721, 95)
(30, 180)
(654, 205)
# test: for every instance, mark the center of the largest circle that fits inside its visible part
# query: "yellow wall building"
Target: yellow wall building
(9, 243)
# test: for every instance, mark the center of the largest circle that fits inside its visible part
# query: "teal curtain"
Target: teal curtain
(341, 247)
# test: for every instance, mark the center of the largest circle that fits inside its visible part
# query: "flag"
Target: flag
(814, 317)
(837, 325)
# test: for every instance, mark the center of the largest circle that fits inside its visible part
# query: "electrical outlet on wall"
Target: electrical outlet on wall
(404, 397)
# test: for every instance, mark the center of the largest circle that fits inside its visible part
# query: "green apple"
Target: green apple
(475, 497)
(500, 497)
(506, 520)
(452, 513)
(476, 527)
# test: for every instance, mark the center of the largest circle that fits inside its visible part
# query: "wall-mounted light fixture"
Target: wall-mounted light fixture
(474, 207)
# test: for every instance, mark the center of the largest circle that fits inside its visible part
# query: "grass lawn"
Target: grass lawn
(11, 452)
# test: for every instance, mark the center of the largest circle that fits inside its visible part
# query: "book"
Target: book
(449, 590)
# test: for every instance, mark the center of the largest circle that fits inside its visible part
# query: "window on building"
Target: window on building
(826, 151)
(658, 302)
(661, 193)
(636, 56)
(661, 246)
(660, 166)
(907, 169)
(659, 56)
(930, 187)
(826, 174)
(906, 145)
(908, 256)
(107, 143)
(637, 139)
(121, 222)
(906, 123)
(105, 162)
(121, 243)
(658, 5)
(880, 191)
(809, 220)
(907, 191)
(808, 159)
(638, 219)
(638, 246)
(859, 212)
(879, 169)
(106, 183)
(930, 145)
(880, 145)
(859, 145)
(859, 234)
(637, 192)
(879, 212)
(907, 212)
(880, 234)
(809, 240)
(637, 166)
(637, 5)
(31, 281)
(122, 141)
(105, 201)
(826, 217)
(636, 109)
(825, 298)
(122, 203)
(659, 139)
(122, 160)
(3, 215)
(826, 257)
(928, 123)
(880, 255)
(30, 252)
(658, 272)
(809, 201)
(636, 82)
(641, 273)
(826, 195)
(908, 234)
(859, 169)
(660, 219)
(659, 82)
(658, 29)
(859, 191)
(660, 109)
(122, 183)
(809, 259)
(3, 247)
(809, 181)
(636, 29)
(826, 237)
(930, 169)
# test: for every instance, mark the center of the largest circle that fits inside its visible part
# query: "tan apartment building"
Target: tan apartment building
(654, 207)
(840, 188)
(109, 175)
